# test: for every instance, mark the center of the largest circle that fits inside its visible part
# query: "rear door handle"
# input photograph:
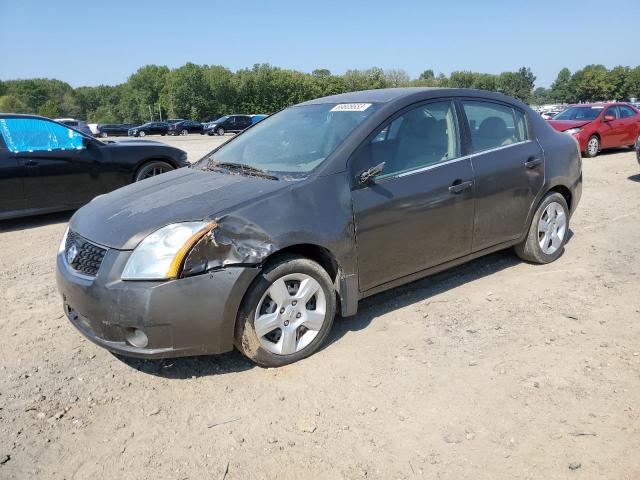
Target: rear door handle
(459, 186)
(533, 162)
(30, 163)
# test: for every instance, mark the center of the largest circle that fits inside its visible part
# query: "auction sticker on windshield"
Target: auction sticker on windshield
(350, 107)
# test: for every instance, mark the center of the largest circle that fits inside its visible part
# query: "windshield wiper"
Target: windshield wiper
(242, 167)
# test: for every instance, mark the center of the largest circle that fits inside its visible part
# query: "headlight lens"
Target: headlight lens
(572, 131)
(160, 255)
(63, 242)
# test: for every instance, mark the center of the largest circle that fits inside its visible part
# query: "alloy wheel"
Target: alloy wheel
(552, 228)
(593, 146)
(290, 314)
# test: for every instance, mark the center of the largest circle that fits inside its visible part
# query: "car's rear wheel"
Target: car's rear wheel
(220, 131)
(142, 133)
(287, 312)
(593, 147)
(548, 231)
(184, 132)
(151, 169)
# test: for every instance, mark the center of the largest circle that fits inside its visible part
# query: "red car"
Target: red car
(597, 126)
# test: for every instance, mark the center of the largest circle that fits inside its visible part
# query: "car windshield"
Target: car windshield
(221, 119)
(579, 113)
(294, 141)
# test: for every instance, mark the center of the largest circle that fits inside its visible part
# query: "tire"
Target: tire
(151, 169)
(103, 135)
(142, 134)
(270, 349)
(531, 249)
(593, 147)
(184, 132)
(220, 131)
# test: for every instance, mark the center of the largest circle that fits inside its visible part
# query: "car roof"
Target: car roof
(387, 95)
(598, 104)
(25, 115)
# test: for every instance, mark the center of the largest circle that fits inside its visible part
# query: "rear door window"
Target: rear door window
(627, 112)
(494, 125)
(612, 111)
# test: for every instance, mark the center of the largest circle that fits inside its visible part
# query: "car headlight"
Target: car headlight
(161, 254)
(63, 242)
(572, 131)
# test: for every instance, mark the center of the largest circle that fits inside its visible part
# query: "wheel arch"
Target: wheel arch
(318, 254)
(157, 158)
(564, 191)
(345, 286)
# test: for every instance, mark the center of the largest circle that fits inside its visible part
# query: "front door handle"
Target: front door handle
(459, 186)
(533, 162)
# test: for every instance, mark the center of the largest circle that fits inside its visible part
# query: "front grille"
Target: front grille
(87, 257)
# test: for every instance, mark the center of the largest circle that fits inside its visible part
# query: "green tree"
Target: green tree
(395, 77)
(427, 75)
(562, 89)
(463, 79)
(321, 73)
(517, 84)
(592, 83)
(541, 96)
(617, 79)
(12, 104)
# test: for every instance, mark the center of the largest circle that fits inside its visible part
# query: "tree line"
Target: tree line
(207, 91)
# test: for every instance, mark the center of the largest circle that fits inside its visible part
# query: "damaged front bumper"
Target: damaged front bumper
(186, 316)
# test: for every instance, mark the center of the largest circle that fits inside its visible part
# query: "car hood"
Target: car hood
(122, 218)
(562, 125)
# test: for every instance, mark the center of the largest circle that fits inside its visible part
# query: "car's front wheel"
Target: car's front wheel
(151, 169)
(220, 131)
(184, 132)
(593, 147)
(548, 231)
(287, 312)
(142, 133)
(103, 134)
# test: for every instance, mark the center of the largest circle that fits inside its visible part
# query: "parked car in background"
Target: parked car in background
(80, 125)
(549, 115)
(114, 129)
(185, 127)
(150, 128)
(261, 242)
(228, 123)
(257, 118)
(45, 166)
(598, 126)
(171, 121)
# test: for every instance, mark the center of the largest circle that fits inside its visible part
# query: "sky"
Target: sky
(91, 42)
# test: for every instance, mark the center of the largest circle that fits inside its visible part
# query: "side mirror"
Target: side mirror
(609, 118)
(86, 142)
(370, 174)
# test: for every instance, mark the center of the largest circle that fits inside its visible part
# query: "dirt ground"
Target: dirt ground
(496, 369)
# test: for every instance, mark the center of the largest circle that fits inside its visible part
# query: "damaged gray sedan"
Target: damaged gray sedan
(263, 241)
